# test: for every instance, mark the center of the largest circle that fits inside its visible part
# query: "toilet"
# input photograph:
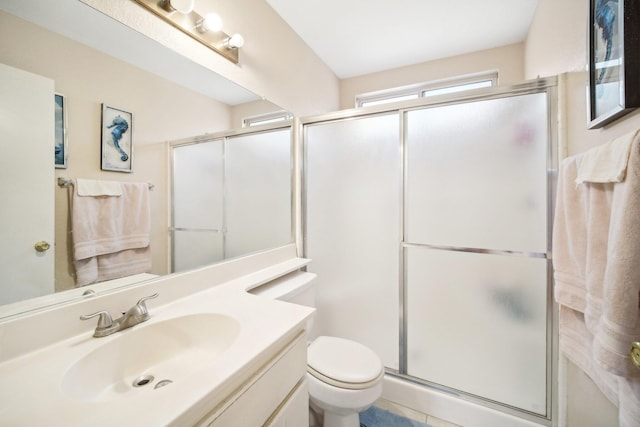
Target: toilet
(345, 377)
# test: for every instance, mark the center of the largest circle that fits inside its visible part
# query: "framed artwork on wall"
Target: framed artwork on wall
(60, 132)
(117, 139)
(614, 63)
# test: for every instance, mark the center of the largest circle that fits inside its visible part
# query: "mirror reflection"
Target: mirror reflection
(245, 205)
(170, 100)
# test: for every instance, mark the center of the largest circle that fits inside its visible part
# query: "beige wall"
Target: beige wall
(507, 60)
(162, 111)
(557, 39)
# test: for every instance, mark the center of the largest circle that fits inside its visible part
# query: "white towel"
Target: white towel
(608, 162)
(596, 256)
(111, 235)
(92, 188)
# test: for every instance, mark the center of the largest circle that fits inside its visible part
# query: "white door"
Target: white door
(26, 184)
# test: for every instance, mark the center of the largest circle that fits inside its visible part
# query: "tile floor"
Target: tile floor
(413, 414)
(399, 410)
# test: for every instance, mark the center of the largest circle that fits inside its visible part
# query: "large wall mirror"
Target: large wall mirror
(95, 60)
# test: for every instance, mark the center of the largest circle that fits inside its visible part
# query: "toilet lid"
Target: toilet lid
(343, 363)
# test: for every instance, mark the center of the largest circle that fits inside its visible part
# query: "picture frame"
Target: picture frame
(116, 139)
(60, 150)
(614, 63)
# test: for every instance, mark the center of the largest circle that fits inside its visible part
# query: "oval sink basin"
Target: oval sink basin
(147, 357)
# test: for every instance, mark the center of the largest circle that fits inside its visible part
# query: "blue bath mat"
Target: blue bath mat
(376, 417)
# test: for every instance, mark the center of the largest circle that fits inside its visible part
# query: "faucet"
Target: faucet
(107, 326)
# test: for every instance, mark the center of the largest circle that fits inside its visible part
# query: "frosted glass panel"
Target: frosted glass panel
(197, 185)
(196, 249)
(352, 223)
(477, 174)
(258, 196)
(477, 323)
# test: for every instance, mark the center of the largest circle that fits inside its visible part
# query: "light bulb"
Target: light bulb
(183, 6)
(236, 41)
(211, 22)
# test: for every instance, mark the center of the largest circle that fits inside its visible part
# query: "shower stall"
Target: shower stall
(429, 227)
(231, 195)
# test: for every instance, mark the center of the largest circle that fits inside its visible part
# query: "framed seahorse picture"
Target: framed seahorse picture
(117, 139)
(614, 63)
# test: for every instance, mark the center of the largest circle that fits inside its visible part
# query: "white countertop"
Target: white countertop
(30, 385)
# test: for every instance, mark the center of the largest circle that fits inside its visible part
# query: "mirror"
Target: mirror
(171, 98)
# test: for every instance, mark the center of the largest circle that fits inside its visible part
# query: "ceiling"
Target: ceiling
(357, 37)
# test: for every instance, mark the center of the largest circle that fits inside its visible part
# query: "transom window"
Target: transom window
(423, 90)
(263, 119)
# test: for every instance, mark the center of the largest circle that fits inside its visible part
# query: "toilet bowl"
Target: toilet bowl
(344, 377)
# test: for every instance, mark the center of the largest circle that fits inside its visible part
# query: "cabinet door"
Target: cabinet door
(267, 393)
(295, 410)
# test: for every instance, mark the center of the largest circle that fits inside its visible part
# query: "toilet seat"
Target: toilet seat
(343, 363)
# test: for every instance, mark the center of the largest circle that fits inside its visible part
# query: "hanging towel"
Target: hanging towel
(596, 257)
(607, 163)
(91, 187)
(111, 234)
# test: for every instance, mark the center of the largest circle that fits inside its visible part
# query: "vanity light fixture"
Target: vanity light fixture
(205, 29)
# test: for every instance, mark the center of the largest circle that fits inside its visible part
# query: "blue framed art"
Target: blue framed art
(60, 132)
(614, 63)
(117, 139)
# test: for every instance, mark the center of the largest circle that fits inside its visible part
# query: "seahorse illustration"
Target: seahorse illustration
(605, 17)
(119, 126)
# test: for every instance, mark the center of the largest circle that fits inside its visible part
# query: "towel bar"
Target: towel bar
(65, 182)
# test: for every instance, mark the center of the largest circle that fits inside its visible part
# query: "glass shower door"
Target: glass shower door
(475, 244)
(258, 191)
(352, 218)
(198, 195)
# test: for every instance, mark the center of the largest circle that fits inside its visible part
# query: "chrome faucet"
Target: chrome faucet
(107, 326)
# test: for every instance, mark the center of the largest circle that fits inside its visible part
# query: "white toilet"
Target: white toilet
(344, 377)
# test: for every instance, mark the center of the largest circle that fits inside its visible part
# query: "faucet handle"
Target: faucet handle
(105, 320)
(142, 307)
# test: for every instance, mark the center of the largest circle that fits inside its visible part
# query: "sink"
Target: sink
(150, 356)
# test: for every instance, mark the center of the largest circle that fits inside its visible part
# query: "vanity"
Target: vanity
(211, 354)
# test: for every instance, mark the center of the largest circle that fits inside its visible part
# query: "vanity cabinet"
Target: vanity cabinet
(294, 411)
(275, 396)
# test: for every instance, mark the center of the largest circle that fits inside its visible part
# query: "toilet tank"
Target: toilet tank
(297, 287)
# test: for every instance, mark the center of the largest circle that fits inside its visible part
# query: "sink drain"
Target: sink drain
(162, 383)
(142, 380)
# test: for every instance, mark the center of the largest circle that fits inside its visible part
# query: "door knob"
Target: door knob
(42, 246)
(635, 353)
